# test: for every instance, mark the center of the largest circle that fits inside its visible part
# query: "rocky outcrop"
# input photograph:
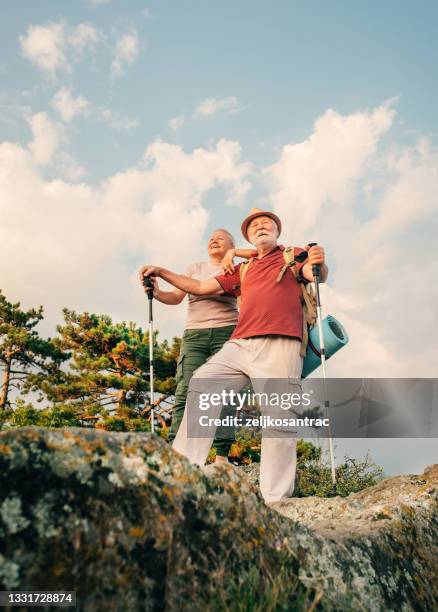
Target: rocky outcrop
(379, 546)
(128, 524)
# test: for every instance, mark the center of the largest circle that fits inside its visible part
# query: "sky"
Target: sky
(129, 131)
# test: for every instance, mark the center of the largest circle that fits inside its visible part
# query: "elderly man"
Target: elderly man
(265, 346)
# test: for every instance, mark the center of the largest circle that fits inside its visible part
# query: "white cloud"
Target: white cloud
(116, 121)
(67, 105)
(55, 46)
(44, 148)
(46, 138)
(79, 246)
(83, 37)
(125, 52)
(374, 211)
(68, 168)
(211, 106)
(176, 122)
(44, 46)
(98, 2)
(322, 169)
(408, 200)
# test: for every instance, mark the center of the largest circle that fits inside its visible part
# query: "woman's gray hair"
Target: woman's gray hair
(230, 236)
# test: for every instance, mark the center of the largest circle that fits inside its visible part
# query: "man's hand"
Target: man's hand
(227, 262)
(316, 255)
(148, 270)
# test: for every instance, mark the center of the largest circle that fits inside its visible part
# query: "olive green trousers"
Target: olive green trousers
(197, 346)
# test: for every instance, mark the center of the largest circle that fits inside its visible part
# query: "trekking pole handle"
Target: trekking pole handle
(147, 283)
(316, 267)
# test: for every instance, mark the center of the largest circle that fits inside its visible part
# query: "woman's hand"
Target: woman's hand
(227, 262)
(148, 270)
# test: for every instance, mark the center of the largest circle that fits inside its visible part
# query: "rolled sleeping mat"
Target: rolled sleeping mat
(335, 337)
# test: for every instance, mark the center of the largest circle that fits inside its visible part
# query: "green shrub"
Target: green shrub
(59, 416)
(353, 475)
(114, 423)
(23, 415)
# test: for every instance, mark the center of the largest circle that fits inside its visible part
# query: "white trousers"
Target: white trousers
(259, 360)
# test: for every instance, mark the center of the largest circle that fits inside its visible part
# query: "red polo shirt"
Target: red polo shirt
(267, 307)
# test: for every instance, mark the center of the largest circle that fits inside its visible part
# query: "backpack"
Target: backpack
(308, 299)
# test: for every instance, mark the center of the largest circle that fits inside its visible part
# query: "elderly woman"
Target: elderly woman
(210, 321)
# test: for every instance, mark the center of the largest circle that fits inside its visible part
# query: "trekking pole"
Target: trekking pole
(316, 269)
(150, 291)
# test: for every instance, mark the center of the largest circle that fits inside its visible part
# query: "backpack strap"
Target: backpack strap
(242, 271)
(289, 262)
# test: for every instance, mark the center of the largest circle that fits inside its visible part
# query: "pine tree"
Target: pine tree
(109, 366)
(24, 356)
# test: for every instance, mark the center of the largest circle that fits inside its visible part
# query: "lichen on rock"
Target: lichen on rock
(129, 524)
